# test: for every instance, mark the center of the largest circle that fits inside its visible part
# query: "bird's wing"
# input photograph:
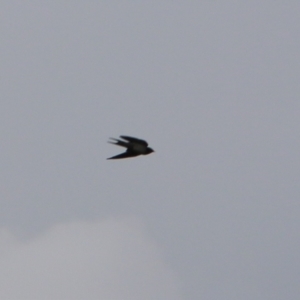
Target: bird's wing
(134, 140)
(124, 155)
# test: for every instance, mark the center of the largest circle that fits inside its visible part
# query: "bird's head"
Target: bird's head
(149, 150)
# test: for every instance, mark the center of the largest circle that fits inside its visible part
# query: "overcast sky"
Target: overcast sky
(213, 86)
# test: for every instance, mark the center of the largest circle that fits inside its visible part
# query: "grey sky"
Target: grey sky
(213, 86)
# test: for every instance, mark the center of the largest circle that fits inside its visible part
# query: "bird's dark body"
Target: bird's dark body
(135, 147)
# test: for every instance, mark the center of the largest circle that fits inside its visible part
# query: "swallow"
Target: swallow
(135, 147)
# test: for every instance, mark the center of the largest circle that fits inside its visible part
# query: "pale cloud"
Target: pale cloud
(112, 259)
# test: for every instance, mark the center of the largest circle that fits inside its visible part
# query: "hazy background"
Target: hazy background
(213, 86)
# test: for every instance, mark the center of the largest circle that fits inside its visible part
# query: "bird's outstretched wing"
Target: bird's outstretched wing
(124, 155)
(134, 140)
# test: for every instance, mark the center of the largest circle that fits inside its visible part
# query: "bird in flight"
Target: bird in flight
(135, 147)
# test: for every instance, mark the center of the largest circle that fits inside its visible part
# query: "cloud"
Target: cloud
(112, 259)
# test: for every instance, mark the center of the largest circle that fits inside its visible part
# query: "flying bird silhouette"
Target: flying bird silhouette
(135, 147)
